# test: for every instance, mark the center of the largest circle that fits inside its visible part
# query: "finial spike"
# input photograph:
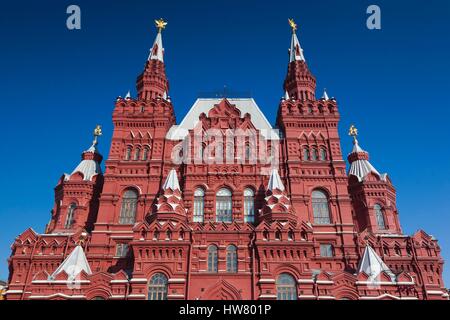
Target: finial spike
(353, 132)
(160, 24)
(97, 133)
(292, 24)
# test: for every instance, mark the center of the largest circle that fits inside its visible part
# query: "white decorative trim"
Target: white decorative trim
(305, 281)
(266, 281)
(118, 281)
(61, 281)
(177, 280)
(434, 292)
(326, 297)
(59, 295)
(175, 296)
(139, 280)
(13, 291)
(324, 282)
(267, 296)
(136, 295)
(117, 296)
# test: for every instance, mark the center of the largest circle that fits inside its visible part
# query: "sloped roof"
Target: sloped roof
(360, 168)
(73, 264)
(204, 105)
(275, 181)
(172, 181)
(372, 265)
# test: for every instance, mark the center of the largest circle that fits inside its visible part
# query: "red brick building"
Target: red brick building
(225, 206)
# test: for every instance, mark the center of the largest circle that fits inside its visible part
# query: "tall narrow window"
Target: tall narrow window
(286, 287)
(314, 155)
(121, 250)
(212, 258)
(231, 258)
(248, 152)
(199, 205)
(129, 206)
(157, 287)
(249, 205)
(224, 206)
(70, 215)
(320, 207)
(305, 153)
(379, 217)
(145, 153)
(128, 153)
(137, 154)
(323, 154)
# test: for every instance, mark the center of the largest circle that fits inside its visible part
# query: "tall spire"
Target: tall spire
(300, 84)
(172, 181)
(275, 181)
(152, 82)
(296, 51)
(157, 51)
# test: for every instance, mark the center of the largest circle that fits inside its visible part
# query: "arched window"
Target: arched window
(320, 207)
(70, 215)
(199, 205)
(323, 154)
(128, 153)
(249, 205)
(157, 287)
(145, 153)
(379, 216)
(212, 258)
(305, 153)
(314, 155)
(224, 206)
(231, 258)
(286, 287)
(137, 154)
(129, 206)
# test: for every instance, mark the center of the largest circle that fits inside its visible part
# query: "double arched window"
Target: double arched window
(157, 287)
(323, 154)
(70, 215)
(231, 258)
(224, 206)
(128, 153)
(286, 287)
(128, 208)
(379, 217)
(212, 258)
(249, 205)
(199, 205)
(145, 153)
(320, 207)
(137, 153)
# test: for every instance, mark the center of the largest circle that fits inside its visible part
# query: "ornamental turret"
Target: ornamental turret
(373, 195)
(76, 195)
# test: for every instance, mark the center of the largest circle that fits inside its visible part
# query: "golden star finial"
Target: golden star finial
(293, 25)
(353, 131)
(97, 133)
(160, 24)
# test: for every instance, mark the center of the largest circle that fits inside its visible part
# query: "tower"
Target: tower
(77, 194)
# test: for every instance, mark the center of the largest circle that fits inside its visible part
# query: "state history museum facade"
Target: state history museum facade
(225, 206)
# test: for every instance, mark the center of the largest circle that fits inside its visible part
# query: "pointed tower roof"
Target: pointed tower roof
(172, 181)
(325, 95)
(73, 264)
(286, 95)
(91, 158)
(157, 51)
(296, 51)
(275, 181)
(360, 166)
(372, 265)
(128, 95)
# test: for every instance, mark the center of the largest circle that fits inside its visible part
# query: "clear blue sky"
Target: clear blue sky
(56, 85)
